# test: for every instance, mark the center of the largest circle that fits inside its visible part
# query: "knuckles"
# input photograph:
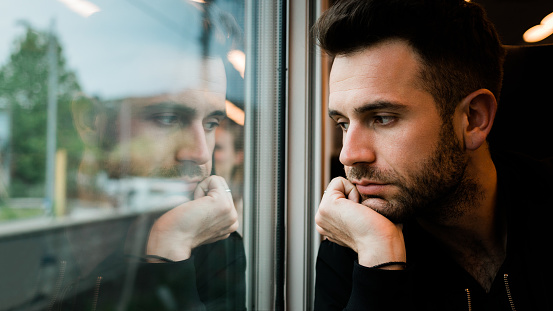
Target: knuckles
(325, 208)
(234, 227)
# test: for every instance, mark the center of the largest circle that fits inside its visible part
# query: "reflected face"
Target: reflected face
(170, 135)
(225, 154)
(402, 158)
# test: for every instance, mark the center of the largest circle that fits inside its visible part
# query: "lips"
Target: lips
(370, 188)
(188, 179)
(189, 184)
(176, 185)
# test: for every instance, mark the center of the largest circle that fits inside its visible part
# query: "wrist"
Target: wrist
(391, 265)
(168, 252)
(166, 245)
(384, 251)
(383, 262)
(156, 259)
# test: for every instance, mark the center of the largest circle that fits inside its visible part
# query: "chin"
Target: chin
(377, 204)
(391, 211)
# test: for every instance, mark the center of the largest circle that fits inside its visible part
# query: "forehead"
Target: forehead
(202, 89)
(387, 72)
(205, 74)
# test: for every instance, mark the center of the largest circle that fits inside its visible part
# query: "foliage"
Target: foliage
(24, 87)
(7, 213)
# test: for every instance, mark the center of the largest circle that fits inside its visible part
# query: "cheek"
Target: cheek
(145, 151)
(220, 155)
(207, 168)
(210, 141)
(410, 147)
(149, 139)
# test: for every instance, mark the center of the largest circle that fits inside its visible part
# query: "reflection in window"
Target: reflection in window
(113, 121)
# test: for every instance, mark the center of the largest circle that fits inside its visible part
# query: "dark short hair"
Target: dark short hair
(458, 46)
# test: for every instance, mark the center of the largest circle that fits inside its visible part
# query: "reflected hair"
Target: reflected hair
(457, 45)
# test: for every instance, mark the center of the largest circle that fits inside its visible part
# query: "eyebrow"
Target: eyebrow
(181, 109)
(217, 113)
(168, 106)
(373, 106)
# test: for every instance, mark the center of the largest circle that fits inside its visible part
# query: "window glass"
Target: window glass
(122, 155)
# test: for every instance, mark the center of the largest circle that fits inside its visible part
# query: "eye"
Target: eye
(166, 119)
(343, 125)
(211, 125)
(384, 120)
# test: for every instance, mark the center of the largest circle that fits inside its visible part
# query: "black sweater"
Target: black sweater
(434, 281)
(212, 279)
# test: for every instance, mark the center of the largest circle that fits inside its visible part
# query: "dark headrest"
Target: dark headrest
(524, 121)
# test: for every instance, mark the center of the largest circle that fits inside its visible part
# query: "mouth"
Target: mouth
(177, 185)
(188, 183)
(370, 188)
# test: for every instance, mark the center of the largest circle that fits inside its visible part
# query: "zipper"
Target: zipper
(469, 301)
(59, 284)
(508, 289)
(96, 293)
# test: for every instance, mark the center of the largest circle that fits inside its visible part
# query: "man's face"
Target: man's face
(170, 135)
(402, 158)
(225, 154)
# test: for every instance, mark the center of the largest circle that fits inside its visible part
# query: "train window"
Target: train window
(142, 154)
(171, 154)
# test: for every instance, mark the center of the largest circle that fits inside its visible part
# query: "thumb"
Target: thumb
(350, 191)
(200, 191)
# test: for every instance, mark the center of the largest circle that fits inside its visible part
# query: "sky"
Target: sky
(128, 48)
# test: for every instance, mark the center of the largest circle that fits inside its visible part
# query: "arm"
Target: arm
(362, 239)
(346, 222)
(208, 268)
(205, 269)
(210, 217)
(343, 284)
(213, 278)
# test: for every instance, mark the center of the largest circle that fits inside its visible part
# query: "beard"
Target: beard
(437, 189)
(184, 169)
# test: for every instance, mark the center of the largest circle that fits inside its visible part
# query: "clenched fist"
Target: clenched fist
(343, 220)
(210, 217)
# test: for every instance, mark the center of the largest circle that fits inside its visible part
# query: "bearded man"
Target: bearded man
(427, 218)
(172, 244)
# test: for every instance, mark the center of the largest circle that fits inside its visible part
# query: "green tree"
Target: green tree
(24, 86)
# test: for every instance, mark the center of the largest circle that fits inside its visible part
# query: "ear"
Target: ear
(478, 110)
(87, 119)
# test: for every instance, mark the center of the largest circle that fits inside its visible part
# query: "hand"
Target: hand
(346, 222)
(210, 217)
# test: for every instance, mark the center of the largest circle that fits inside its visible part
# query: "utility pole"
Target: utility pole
(52, 119)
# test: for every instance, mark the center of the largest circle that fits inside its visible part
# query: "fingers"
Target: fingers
(223, 210)
(213, 186)
(339, 207)
(340, 187)
(326, 236)
(351, 191)
(210, 217)
(346, 222)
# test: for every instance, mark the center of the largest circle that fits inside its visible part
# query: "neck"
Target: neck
(475, 236)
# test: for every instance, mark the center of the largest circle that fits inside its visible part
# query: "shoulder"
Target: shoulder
(517, 164)
(525, 186)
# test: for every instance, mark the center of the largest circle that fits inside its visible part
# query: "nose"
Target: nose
(193, 145)
(357, 146)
